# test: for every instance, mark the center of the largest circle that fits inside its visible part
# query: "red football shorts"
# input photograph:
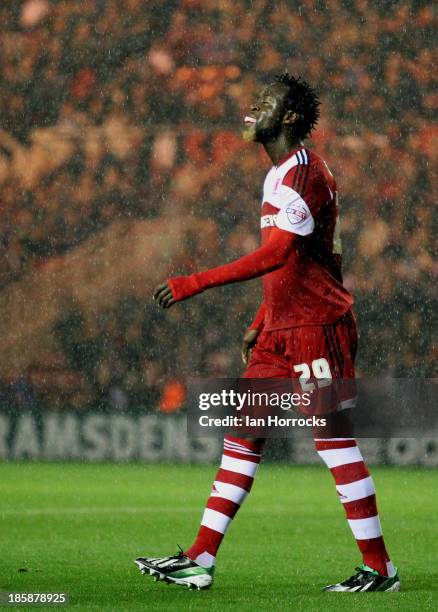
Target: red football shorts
(319, 357)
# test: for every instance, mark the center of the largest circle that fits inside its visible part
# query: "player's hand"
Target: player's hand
(163, 296)
(248, 343)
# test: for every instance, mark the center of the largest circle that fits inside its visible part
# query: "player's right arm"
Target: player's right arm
(295, 217)
(267, 258)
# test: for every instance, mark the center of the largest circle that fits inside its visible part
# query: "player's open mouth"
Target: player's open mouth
(250, 120)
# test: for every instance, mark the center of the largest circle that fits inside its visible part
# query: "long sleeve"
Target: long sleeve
(267, 258)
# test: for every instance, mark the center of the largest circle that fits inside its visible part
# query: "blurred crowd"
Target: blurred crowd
(116, 109)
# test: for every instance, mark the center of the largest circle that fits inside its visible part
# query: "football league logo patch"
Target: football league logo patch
(296, 213)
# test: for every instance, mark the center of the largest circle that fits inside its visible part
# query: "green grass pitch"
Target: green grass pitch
(77, 528)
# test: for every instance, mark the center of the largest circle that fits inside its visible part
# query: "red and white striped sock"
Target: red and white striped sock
(356, 491)
(233, 482)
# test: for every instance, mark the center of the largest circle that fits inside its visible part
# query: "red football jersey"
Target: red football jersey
(300, 255)
(299, 196)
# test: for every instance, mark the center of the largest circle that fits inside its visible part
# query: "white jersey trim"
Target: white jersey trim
(288, 165)
(276, 174)
(294, 215)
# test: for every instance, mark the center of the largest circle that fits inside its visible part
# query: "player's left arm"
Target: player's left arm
(252, 333)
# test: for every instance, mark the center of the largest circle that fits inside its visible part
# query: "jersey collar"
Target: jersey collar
(288, 156)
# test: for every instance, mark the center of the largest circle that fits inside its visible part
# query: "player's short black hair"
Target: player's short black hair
(303, 100)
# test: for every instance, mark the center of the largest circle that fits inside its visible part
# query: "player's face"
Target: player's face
(265, 120)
